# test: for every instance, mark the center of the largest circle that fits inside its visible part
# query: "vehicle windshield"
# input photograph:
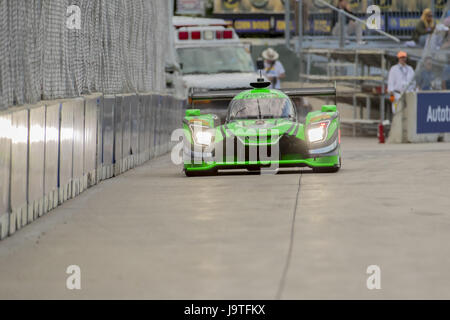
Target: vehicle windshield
(263, 108)
(212, 60)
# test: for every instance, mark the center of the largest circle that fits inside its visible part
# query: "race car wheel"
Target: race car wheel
(200, 173)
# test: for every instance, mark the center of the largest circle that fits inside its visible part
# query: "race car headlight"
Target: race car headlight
(202, 135)
(317, 132)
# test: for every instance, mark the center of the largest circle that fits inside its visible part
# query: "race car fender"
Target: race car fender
(326, 120)
(199, 132)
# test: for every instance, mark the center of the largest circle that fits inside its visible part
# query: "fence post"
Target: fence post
(300, 26)
(287, 24)
(383, 87)
(341, 29)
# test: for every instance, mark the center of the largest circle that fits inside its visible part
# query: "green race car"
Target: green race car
(261, 131)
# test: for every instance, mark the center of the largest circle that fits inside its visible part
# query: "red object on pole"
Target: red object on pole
(381, 133)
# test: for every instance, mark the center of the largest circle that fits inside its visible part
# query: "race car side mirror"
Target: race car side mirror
(193, 112)
(330, 108)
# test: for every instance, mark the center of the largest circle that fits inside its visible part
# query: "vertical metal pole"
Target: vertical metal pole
(335, 91)
(433, 8)
(354, 114)
(308, 66)
(361, 111)
(300, 34)
(287, 22)
(355, 85)
(328, 66)
(341, 29)
(383, 87)
(300, 25)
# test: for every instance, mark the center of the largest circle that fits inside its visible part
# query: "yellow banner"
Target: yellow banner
(248, 6)
(357, 6)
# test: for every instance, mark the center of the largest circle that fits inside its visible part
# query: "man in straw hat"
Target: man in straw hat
(274, 70)
(401, 78)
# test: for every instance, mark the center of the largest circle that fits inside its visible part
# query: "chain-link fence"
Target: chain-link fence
(120, 47)
(398, 17)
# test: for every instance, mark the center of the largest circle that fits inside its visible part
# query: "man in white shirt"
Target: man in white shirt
(274, 70)
(401, 77)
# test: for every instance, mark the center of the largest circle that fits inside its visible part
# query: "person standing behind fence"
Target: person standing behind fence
(426, 76)
(401, 78)
(351, 28)
(273, 70)
(424, 28)
(342, 5)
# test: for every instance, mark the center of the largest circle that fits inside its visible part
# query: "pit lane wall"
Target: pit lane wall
(53, 151)
(422, 117)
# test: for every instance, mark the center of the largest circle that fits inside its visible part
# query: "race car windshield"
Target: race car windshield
(213, 60)
(263, 108)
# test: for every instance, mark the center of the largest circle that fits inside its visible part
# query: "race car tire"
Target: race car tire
(200, 173)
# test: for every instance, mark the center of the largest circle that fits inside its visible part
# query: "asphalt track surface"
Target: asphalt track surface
(154, 234)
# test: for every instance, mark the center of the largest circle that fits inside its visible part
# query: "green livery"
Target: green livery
(261, 130)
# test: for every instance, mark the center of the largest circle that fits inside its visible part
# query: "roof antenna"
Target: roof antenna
(261, 82)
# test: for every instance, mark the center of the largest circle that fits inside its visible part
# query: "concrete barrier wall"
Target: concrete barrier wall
(142, 133)
(108, 138)
(91, 119)
(99, 154)
(411, 124)
(53, 151)
(153, 125)
(5, 166)
(78, 149)
(19, 168)
(119, 124)
(51, 164)
(135, 110)
(36, 163)
(66, 139)
(126, 133)
(404, 123)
